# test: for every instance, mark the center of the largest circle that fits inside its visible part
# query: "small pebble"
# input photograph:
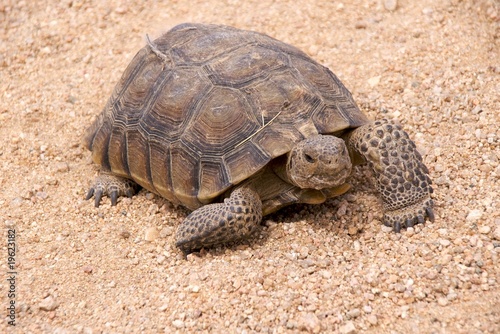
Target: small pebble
(476, 110)
(87, 269)
(474, 215)
(390, 5)
(427, 11)
(386, 229)
(310, 323)
(178, 323)
(484, 229)
(326, 274)
(496, 233)
(352, 230)
(360, 25)
(374, 81)
(442, 301)
(348, 328)
(445, 259)
(372, 319)
(166, 231)
(121, 10)
(42, 195)
(442, 231)
(354, 313)
(16, 202)
(62, 167)
(444, 242)
(48, 304)
(124, 234)
(151, 234)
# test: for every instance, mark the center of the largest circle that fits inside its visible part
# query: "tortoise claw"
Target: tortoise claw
(90, 193)
(430, 213)
(97, 197)
(397, 227)
(114, 197)
(420, 219)
(129, 192)
(410, 222)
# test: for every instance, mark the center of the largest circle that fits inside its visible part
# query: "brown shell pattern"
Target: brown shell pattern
(213, 110)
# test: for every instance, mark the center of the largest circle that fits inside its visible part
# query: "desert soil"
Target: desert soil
(434, 65)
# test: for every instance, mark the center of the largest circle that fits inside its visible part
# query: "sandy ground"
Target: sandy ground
(432, 64)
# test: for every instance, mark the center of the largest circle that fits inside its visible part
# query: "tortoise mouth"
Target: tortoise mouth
(324, 177)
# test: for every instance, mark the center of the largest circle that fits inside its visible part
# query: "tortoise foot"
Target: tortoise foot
(410, 215)
(112, 186)
(213, 224)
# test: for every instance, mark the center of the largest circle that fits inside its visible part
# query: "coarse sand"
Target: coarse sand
(434, 65)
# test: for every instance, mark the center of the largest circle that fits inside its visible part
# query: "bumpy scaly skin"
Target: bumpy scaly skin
(111, 185)
(319, 162)
(235, 219)
(402, 177)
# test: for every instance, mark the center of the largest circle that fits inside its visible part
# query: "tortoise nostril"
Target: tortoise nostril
(309, 158)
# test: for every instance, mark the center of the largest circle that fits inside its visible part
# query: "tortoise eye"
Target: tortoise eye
(309, 158)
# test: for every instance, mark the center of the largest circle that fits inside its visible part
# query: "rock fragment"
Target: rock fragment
(151, 234)
(474, 215)
(348, 328)
(310, 323)
(48, 304)
(390, 5)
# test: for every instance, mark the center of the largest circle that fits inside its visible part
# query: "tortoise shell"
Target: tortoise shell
(204, 107)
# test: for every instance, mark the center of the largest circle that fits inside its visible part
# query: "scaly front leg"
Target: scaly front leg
(402, 178)
(218, 223)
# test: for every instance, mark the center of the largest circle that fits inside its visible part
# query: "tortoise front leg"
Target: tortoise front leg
(402, 178)
(218, 223)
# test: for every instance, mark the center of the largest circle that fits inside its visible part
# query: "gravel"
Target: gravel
(433, 65)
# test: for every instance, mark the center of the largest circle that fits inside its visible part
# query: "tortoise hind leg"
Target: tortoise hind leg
(402, 178)
(111, 185)
(213, 224)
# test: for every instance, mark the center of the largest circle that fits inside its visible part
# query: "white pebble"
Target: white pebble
(443, 231)
(178, 323)
(484, 229)
(372, 319)
(445, 242)
(326, 274)
(390, 5)
(474, 215)
(354, 313)
(496, 233)
(443, 301)
(48, 304)
(347, 328)
(151, 234)
(310, 323)
(374, 81)
(386, 229)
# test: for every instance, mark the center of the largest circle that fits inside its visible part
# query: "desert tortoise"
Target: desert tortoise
(213, 114)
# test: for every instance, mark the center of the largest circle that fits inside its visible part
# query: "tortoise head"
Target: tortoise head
(319, 162)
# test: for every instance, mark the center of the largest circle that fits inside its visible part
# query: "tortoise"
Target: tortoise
(235, 125)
